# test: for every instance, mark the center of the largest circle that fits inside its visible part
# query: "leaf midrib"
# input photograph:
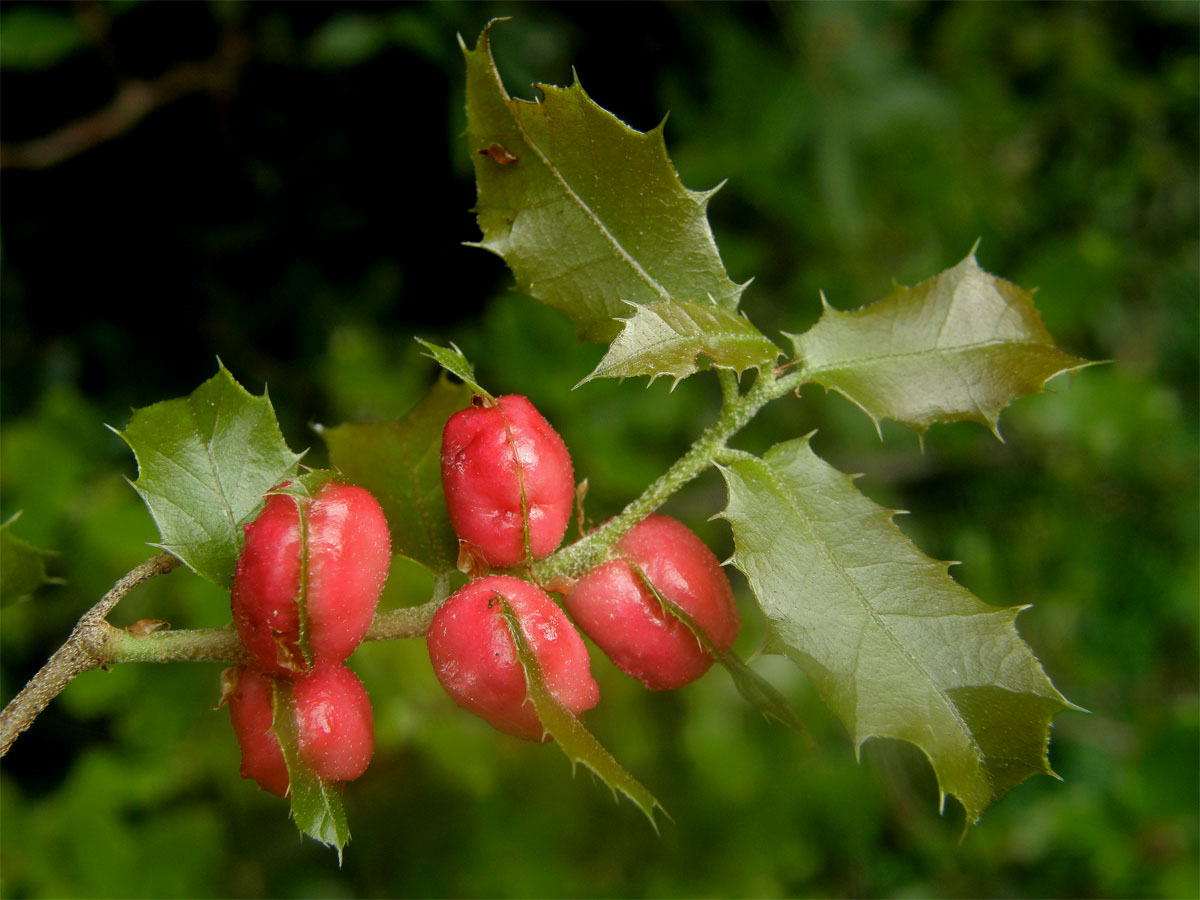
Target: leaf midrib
(780, 486)
(649, 280)
(957, 350)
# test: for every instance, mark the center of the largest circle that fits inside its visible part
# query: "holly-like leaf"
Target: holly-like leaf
(568, 732)
(22, 565)
(586, 211)
(204, 463)
(666, 338)
(400, 463)
(316, 804)
(894, 645)
(962, 345)
(456, 363)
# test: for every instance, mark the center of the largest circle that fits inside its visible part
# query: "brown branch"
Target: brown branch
(94, 643)
(83, 650)
(134, 100)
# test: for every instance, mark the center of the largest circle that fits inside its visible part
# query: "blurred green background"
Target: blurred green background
(291, 195)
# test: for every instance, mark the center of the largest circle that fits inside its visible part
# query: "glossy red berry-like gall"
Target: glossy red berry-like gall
(334, 565)
(613, 606)
(251, 705)
(507, 477)
(333, 720)
(335, 728)
(475, 660)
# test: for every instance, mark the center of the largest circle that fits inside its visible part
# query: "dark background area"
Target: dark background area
(282, 186)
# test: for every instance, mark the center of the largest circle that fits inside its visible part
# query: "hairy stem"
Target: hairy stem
(410, 622)
(736, 411)
(94, 643)
(173, 645)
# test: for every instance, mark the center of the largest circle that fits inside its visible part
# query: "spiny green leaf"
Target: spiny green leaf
(665, 338)
(576, 742)
(400, 463)
(454, 362)
(962, 345)
(22, 565)
(894, 645)
(586, 211)
(204, 463)
(316, 804)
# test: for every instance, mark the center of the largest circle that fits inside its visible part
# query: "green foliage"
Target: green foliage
(895, 646)
(962, 345)
(316, 805)
(863, 142)
(400, 463)
(204, 463)
(38, 36)
(666, 338)
(22, 565)
(568, 732)
(585, 232)
(454, 362)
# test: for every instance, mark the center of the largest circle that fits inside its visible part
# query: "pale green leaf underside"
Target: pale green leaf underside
(586, 211)
(204, 463)
(666, 338)
(763, 695)
(400, 463)
(568, 732)
(316, 805)
(455, 362)
(894, 645)
(960, 346)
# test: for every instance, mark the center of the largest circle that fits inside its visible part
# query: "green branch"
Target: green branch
(94, 642)
(736, 410)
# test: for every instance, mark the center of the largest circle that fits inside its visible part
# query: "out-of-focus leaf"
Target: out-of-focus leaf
(316, 804)
(586, 211)
(348, 39)
(894, 645)
(456, 363)
(568, 732)
(962, 345)
(22, 565)
(36, 36)
(665, 338)
(400, 463)
(204, 463)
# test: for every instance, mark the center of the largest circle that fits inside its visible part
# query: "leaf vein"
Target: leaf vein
(590, 214)
(869, 610)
